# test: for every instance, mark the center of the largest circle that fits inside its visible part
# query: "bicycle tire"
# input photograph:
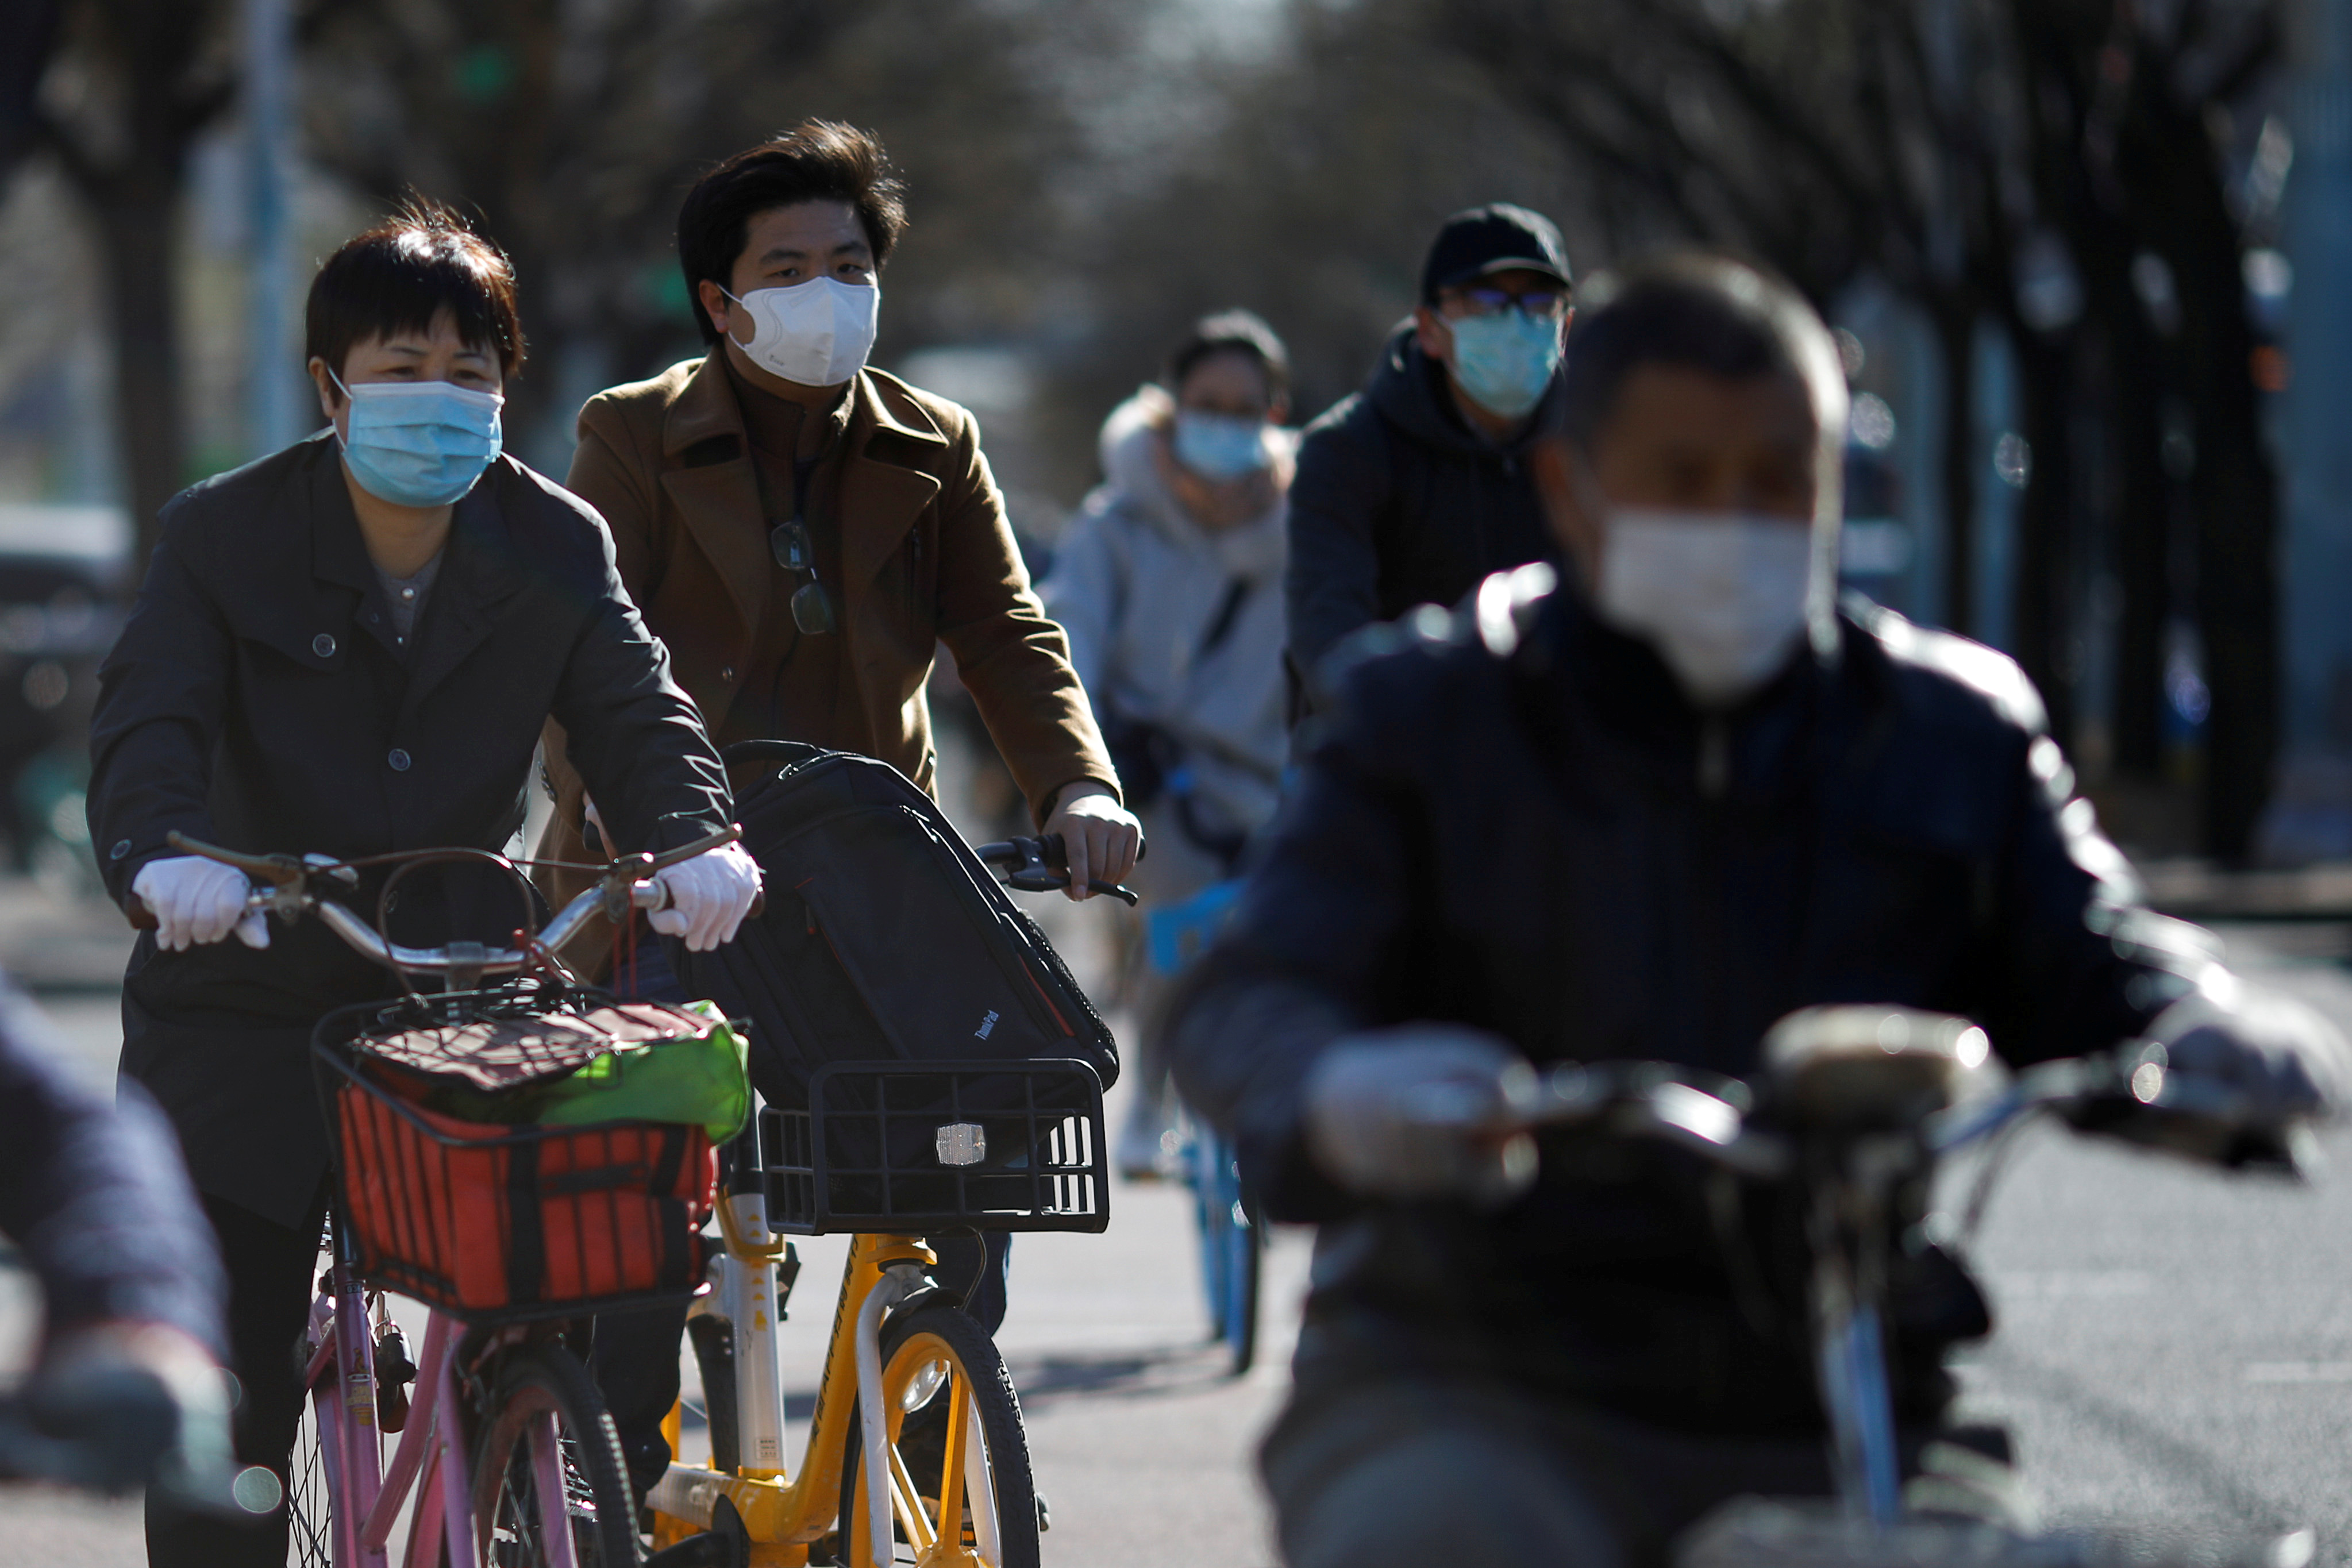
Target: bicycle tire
(1232, 1249)
(1245, 1263)
(974, 1381)
(1208, 1225)
(714, 1357)
(531, 1382)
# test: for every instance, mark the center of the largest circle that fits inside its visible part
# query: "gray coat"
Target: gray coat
(1176, 627)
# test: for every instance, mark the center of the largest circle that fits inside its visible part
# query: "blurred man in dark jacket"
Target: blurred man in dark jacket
(1416, 487)
(1641, 813)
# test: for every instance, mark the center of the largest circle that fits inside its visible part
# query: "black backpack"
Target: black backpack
(885, 937)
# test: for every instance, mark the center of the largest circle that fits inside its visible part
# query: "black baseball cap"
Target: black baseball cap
(1497, 238)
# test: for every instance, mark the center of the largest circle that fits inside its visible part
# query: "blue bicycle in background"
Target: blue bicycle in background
(1225, 1213)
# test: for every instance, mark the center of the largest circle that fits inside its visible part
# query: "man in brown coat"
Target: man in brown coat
(803, 531)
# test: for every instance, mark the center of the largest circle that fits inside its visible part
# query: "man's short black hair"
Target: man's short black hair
(818, 160)
(1232, 331)
(400, 275)
(1700, 311)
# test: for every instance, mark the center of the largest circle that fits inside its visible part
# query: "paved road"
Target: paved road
(2173, 1347)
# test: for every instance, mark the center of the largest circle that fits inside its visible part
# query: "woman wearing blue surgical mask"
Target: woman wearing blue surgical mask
(1169, 586)
(349, 647)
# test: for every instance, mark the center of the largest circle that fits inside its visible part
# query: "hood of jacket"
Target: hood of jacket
(1130, 448)
(1409, 389)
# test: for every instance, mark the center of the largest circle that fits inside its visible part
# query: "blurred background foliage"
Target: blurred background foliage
(2047, 225)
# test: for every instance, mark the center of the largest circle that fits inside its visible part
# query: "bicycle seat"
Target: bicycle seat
(1844, 1070)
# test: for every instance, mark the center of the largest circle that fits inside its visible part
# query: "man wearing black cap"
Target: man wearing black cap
(1413, 490)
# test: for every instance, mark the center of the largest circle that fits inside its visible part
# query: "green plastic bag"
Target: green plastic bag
(629, 1062)
(700, 1078)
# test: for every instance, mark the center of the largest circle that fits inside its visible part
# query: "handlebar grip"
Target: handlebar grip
(731, 833)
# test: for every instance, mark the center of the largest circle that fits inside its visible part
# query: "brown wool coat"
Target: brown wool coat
(927, 556)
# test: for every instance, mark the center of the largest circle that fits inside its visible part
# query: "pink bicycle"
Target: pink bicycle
(504, 1444)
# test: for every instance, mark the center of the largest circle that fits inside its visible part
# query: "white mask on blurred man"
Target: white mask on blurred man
(1722, 596)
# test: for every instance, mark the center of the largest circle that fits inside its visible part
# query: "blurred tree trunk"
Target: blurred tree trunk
(30, 27)
(148, 77)
(1958, 462)
(2142, 533)
(2176, 186)
(2046, 613)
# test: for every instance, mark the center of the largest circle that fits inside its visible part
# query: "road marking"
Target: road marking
(2299, 1371)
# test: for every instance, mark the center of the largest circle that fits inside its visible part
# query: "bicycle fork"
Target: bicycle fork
(1848, 1294)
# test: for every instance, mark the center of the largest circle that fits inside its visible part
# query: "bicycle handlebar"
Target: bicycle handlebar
(2129, 1094)
(1043, 864)
(627, 884)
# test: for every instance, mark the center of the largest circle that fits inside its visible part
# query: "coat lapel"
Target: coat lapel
(719, 502)
(881, 499)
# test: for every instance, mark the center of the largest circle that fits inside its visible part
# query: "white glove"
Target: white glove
(1421, 1112)
(198, 900)
(2287, 1059)
(708, 897)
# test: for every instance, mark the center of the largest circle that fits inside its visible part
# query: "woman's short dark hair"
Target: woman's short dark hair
(400, 275)
(818, 160)
(1696, 310)
(1231, 331)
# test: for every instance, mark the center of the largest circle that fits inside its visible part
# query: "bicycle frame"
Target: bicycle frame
(430, 1462)
(783, 1512)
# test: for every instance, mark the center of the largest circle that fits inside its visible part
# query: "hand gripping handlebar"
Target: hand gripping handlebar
(1043, 864)
(286, 891)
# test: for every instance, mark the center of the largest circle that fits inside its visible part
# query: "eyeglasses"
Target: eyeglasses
(1485, 301)
(790, 543)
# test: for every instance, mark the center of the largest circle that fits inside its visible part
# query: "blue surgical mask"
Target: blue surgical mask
(419, 443)
(1506, 360)
(1220, 445)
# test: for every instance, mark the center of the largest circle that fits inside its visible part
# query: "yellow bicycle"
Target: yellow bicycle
(912, 1391)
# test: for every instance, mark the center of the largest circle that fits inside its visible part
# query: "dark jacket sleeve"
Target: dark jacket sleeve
(161, 696)
(634, 736)
(1326, 912)
(1331, 584)
(2078, 963)
(95, 1196)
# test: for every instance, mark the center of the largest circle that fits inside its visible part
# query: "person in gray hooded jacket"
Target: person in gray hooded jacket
(1169, 585)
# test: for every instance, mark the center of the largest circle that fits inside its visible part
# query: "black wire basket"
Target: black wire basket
(909, 1149)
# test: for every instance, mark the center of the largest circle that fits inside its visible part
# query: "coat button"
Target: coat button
(121, 848)
(323, 645)
(398, 760)
(728, 674)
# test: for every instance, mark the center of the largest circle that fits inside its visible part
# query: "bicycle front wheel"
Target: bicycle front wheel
(546, 1459)
(309, 1491)
(959, 1458)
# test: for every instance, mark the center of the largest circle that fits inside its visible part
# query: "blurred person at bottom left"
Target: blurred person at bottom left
(98, 1206)
(349, 648)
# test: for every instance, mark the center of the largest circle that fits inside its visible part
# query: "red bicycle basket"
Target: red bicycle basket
(503, 1223)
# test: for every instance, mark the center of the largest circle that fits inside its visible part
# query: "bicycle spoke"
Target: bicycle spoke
(555, 1489)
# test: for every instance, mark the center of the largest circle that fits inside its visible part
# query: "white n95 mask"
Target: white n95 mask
(1722, 596)
(817, 334)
